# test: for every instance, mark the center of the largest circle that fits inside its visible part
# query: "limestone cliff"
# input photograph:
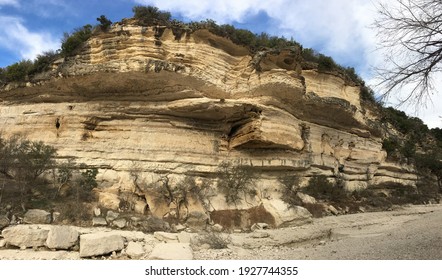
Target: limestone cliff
(144, 99)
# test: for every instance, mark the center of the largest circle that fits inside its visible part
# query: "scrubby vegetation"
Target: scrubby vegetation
(236, 182)
(331, 192)
(73, 41)
(32, 178)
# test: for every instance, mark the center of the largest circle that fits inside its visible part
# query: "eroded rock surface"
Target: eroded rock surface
(126, 103)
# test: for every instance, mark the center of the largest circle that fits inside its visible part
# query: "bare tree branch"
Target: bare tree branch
(410, 34)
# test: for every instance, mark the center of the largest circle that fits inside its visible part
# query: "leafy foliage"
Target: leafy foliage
(214, 239)
(235, 181)
(321, 188)
(25, 160)
(72, 42)
(290, 190)
(149, 15)
(43, 61)
(105, 23)
(17, 72)
(390, 145)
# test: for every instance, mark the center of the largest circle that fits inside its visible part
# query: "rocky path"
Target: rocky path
(412, 232)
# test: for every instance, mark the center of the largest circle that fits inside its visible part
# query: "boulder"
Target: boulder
(62, 237)
(135, 250)
(184, 237)
(97, 212)
(305, 198)
(217, 228)
(153, 224)
(97, 244)
(2, 243)
(197, 220)
(140, 207)
(111, 215)
(4, 222)
(259, 226)
(166, 236)
(56, 217)
(37, 216)
(332, 210)
(98, 221)
(286, 216)
(172, 251)
(119, 223)
(180, 227)
(25, 236)
(109, 200)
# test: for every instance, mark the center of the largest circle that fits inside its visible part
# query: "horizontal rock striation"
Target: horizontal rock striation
(134, 100)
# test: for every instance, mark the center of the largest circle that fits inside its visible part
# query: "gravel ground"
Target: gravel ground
(413, 232)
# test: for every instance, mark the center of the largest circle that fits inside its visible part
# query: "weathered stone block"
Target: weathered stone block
(97, 244)
(62, 237)
(25, 236)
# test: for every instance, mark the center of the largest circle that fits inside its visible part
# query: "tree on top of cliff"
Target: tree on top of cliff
(72, 41)
(411, 35)
(105, 23)
(149, 15)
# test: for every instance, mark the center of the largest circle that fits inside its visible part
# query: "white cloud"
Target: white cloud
(338, 28)
(9, 2)
(19, 39)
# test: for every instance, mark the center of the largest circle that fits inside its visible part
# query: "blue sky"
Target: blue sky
(338, 28)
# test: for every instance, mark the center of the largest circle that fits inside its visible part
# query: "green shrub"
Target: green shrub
(326, 63)
(72, 42)
(321, 188)
(214, 239)
(150, 15)
(43, 62)
(290, 190)
(18, 72)
(390, 145)
(310, 55)
(235, 181)
(24, 161)
(105, 23)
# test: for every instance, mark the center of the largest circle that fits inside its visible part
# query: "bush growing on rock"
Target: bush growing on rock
(320, 187)
(105, 23)
(24, 160)
(236, 182)
(290, 190)
(72, 42)
(149, 15)
(17, 72)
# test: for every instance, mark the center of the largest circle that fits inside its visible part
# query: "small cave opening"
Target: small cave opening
(234, 130)
(57, 123)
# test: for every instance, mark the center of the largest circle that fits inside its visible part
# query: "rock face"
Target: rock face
(127, 104)
(97, 244)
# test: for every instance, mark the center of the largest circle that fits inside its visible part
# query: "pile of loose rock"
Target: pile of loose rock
(97, 242)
